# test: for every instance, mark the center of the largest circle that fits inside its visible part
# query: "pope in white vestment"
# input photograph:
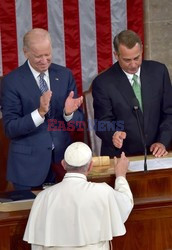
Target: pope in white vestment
(77, 214)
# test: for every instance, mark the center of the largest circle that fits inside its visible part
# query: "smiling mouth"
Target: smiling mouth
(44, 66)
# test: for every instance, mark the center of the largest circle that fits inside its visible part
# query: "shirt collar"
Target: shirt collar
(130, 76)
(36, 73)
(75, 175)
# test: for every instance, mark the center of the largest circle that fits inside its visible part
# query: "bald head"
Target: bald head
(35, 36)
(38, 49)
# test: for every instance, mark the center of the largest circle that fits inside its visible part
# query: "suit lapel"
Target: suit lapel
(29, 82)
(55, 85)
(124, 86)
(126, 90)
(54, 81)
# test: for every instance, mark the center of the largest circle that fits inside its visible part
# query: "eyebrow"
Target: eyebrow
(125, 58)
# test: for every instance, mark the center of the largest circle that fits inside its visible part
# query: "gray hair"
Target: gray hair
(81, 169)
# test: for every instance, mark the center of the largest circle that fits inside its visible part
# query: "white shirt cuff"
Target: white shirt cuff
(37, 119)
(67, 117)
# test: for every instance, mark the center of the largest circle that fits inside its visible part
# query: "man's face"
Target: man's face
(39, 55)
(129, 59)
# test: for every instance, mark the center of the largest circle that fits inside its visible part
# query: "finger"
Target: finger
(154, 150)
(122, 154)
(123, 157)
(117, 144)
(50, 93)
(159, 152)
(115, 160)
(47, 94)
(119, 141)
(152, 147)
(78, 103)
(118, 137)
(80, 99)
(123, 135)
(71, 94)
(165, 153)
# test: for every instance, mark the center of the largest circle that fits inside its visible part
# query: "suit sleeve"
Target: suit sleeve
(123, 196)
(165, 133)
(15, 123)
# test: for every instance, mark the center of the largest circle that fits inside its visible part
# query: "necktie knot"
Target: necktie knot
(41, 75)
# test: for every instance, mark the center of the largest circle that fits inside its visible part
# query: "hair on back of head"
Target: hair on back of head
(81, 169)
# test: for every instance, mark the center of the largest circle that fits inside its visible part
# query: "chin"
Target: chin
(43, 69)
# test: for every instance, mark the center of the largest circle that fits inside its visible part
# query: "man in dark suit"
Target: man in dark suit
(115, 102)
(30, 101)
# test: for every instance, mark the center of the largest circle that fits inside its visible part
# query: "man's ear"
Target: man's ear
(115, 55)
(63, 164)
(142, 48)
(25, 53)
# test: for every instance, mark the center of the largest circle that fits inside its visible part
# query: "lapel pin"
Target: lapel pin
(56, 79)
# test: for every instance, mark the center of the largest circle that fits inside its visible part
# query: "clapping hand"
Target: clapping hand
(72, 104)
(45, 103)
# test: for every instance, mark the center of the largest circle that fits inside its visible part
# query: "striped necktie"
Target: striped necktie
(137, 89)
(43, 88)
(42, 83)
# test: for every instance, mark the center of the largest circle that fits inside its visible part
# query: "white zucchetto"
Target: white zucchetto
(77, 154)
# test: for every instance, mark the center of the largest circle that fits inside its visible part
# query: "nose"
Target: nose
(43, 59)
(133, 64)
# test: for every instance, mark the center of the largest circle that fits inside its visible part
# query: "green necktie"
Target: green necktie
(137, 89)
